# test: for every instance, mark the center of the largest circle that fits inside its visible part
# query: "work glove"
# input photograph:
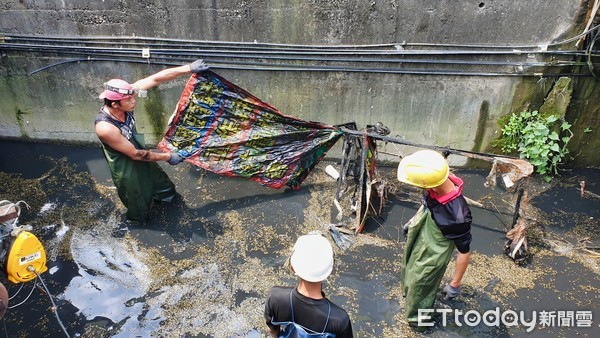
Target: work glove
(175, 159)
(450, 291)
(198, 66)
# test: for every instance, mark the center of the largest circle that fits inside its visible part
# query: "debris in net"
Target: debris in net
(343, 240)
(516, 245)
(510, 169)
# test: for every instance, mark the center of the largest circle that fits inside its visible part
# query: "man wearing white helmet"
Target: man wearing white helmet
(442, 223)
(135, 173)
(305, 307)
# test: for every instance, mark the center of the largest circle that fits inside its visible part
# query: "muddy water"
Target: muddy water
(204, 264)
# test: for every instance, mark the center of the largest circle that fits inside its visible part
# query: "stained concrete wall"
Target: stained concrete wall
(457, 111)
(300, 21)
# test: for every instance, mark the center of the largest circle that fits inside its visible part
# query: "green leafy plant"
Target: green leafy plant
(512, 130)
(537, 138)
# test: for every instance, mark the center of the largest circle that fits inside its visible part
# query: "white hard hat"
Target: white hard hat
(312, 257)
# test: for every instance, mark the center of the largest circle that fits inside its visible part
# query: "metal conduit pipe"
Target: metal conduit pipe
(346, 52)
(275, 67)
(216, 44)
(63, 49)
(134, 53)
(178, 57)
(234, 45)
(283, 66)
(514, 49)
(308, 55)
(263, 44)
(219, 56)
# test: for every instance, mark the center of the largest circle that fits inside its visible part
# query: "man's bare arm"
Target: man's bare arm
(462, 261)
(110, 135)
(160, 77)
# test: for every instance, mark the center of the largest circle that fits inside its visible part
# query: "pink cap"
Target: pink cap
(117, 89)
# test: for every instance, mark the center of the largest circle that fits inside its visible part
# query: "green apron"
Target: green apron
(138, 182)
(426, 256)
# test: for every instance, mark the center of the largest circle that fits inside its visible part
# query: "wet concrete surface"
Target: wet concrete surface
(203, 265)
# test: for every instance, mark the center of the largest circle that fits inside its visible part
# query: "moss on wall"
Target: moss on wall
(155, 110)
(558, 99)
(19, 115)
(584, 116)
(530, 94)
(484, 116)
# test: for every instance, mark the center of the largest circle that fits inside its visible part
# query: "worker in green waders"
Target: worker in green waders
(442, 223)
(135, 173)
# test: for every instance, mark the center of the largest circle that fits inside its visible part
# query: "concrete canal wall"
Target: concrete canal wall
(439, 73)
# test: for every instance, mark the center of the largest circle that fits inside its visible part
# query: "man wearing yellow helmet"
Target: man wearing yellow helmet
(442, 223)
(135, 173)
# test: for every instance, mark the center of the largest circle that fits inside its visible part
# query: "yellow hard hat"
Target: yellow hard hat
(424, 168)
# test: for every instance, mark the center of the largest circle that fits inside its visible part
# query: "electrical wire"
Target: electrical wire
(167, 51)
(26, 298)
(196, 51)
(18, 291)
(327, 56)
(589, 55)
(281, 45)
(276, 67)
(54, 307)
(207, 53)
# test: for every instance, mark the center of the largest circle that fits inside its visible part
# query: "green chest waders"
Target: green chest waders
(138, 182)
(426, 256)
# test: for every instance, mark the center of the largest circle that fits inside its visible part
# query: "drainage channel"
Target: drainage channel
(203, 265)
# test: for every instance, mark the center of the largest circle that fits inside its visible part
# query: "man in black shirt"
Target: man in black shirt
(306, 304)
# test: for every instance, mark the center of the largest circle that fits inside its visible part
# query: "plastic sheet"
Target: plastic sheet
(222, 128)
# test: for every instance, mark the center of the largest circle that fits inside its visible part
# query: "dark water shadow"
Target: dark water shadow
(463, 316)
(196, 216)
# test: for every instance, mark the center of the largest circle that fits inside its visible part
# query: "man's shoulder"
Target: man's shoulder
(278, 292)
(340, 322)
(105, 128)
(339, 312)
